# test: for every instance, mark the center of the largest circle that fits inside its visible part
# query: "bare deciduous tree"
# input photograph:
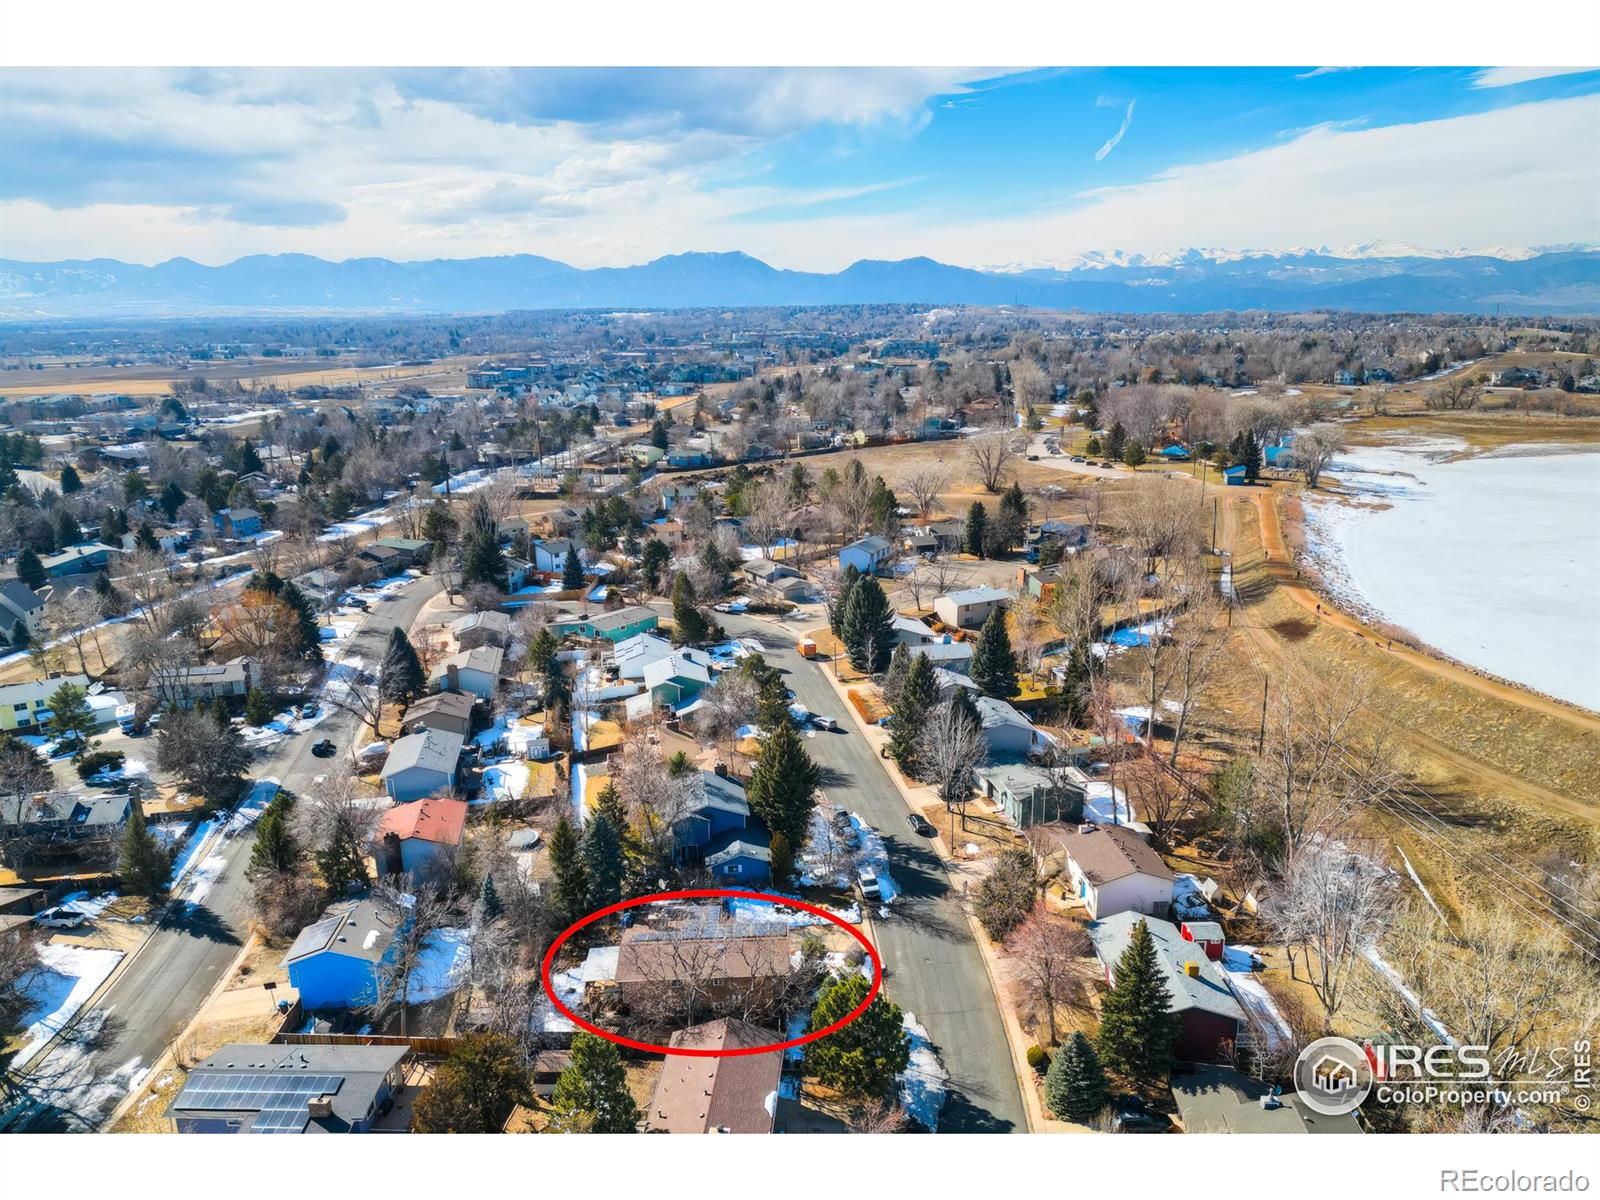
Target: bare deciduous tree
(1315, 449)
(952, 746)
(925, 487)
(1049, 953)
(990, 455)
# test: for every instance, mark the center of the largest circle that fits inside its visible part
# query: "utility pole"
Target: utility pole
(1213, 524)
(1261, 738)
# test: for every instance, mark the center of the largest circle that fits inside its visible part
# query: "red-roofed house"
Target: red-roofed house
(412, 836)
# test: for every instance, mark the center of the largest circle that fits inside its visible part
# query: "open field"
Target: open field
(156, 380)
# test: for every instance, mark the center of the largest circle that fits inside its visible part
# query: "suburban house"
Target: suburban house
(376, 562)
(617, 625)
(237, 522)
(55, 819)
(718, 832)
(1029, 794)
(765, 574)
(27, 705)
(481, 629)
(1219, 1099)
(412, 837)
(517, 572)
(335, 961)
(666, 530)
(185, 686)
(170, 540)
(1109, 869)
(87, 558)
(421, 764)
(866, 555)
(415, 552)
(20, 605)
(717, 959)
(1039, 582)
(448, 712)
(290, 1089)
(722, 1094)
(551, 556)
(476, 671)
(674, 494)
(948, 656)
(632, 653)
(969, 608)
(1008, 733)
(678, 677)
(1209, 1017)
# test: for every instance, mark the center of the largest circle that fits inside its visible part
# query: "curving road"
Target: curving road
(77, 1083)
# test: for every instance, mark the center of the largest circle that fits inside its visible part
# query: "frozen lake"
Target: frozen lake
(1494, 560)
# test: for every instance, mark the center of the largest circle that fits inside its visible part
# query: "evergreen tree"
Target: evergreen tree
(342, 862)
(1133, 456)
(783, 785)
(1075, 1087)
(1014, 503)
(475, 1088)
(275, 850)
(249, 460)
(918, 696)
(961, 703)
(30, 570)
(310, 633)
(142, 863)
(489, 909)
(113, 524)
(1138, 1035)
(1116, 440)
(572, 571)
(688, 622)
(653, 558)
(571, 886)
(67, 531)
(72, 718)
(603, 865)
(869, 627)
(482, 559)
(863, 1058)
(171, 500)
(975, 536)
(401, 678)
(780, 857)
(994, 666)
(848, 578)
(145, 539)
(894, 676)
(1008, 893)
(69, 480)
(592, 1094)
(257, 707)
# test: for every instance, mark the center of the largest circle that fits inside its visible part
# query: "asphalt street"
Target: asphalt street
(933, 966)
(77, 1083)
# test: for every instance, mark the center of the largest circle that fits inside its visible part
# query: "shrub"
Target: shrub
(100, 760)
(1038, 1059)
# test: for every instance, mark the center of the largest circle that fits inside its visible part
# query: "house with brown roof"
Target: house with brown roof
(411, 838)
(448, 712)
(726, 1094)
(1109, 869)
(717, 960)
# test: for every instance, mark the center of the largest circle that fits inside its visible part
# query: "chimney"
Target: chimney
(319, 1107)
(452, 677)
(722, 769)
(1192, 969)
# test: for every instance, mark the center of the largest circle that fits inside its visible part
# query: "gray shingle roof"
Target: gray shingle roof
(1207, 990)
(358, 928)
(433, 749)
(242, 1081)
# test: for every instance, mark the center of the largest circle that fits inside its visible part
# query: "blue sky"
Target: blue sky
(804, 168)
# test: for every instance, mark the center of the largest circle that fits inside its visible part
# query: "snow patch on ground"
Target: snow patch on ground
(924, 1084)
(61, 985)
(441, 966)
(1238, 967)
(1106, 805)
(504, 781)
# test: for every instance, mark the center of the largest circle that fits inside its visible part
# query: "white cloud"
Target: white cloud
(1122, 130)
(1495, 77)
(1315, 72)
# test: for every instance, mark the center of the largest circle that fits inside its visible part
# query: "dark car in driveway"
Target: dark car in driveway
(324, 749)
(920, 825)
(1132, 1115)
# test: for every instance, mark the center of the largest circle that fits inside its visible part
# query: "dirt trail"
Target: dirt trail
(1283, 573)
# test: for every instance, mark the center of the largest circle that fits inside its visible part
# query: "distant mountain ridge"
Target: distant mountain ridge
(1361, 278)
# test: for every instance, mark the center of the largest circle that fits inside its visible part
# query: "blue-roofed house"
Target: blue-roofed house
(718, 832)
(1175, 454)
(1236, 475)
(335, 962)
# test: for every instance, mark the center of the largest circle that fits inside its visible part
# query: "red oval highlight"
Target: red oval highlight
(710, 894)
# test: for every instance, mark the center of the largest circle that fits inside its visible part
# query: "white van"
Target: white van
(868, 881)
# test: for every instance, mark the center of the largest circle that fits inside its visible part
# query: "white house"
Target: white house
(422, 764)
(865, 555)
(550, 555)
(1008, 733)
(969, 608)
(1111, 869)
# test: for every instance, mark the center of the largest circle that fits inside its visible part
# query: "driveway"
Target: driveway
(77, 1083)
(934, 968)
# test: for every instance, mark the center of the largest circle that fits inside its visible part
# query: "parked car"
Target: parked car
(1133, 1115)
(1077, 458)
(324, 749)
(308, 709)
(61, 918)
(867, 880)
(1033, 458)
(919, 825)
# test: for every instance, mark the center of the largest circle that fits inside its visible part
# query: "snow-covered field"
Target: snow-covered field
(57, 989)
(1494, 560)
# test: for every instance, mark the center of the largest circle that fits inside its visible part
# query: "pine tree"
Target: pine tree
(973, 539)
(869, 627)
(275, 850)
(171, 500)
(1075, 1087)
(994, 666)
(688, 622)
(571, 886)
(961, 703)
(918, 695)
(142, 864)
(257, 707)
(145, 539)
(863, 1058)
(67, 531)
(1115, 441)
(401, 678)
(30, 570)
(592, 1094)
(249, 460)
(783, 785)
(848, 578)
(488, 909)
(69, 480)
(310, 633)
(341, 862)
(1138, 1035)
(482, 560)
(475, 1088)
(894, 676)
(603, 863)
(653, 558)
(780, 859)
(72, 718)
(1133, 456)
(1014, 503)
(572, 571)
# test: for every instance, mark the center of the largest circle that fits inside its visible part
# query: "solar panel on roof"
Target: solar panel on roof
(257, 1091)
